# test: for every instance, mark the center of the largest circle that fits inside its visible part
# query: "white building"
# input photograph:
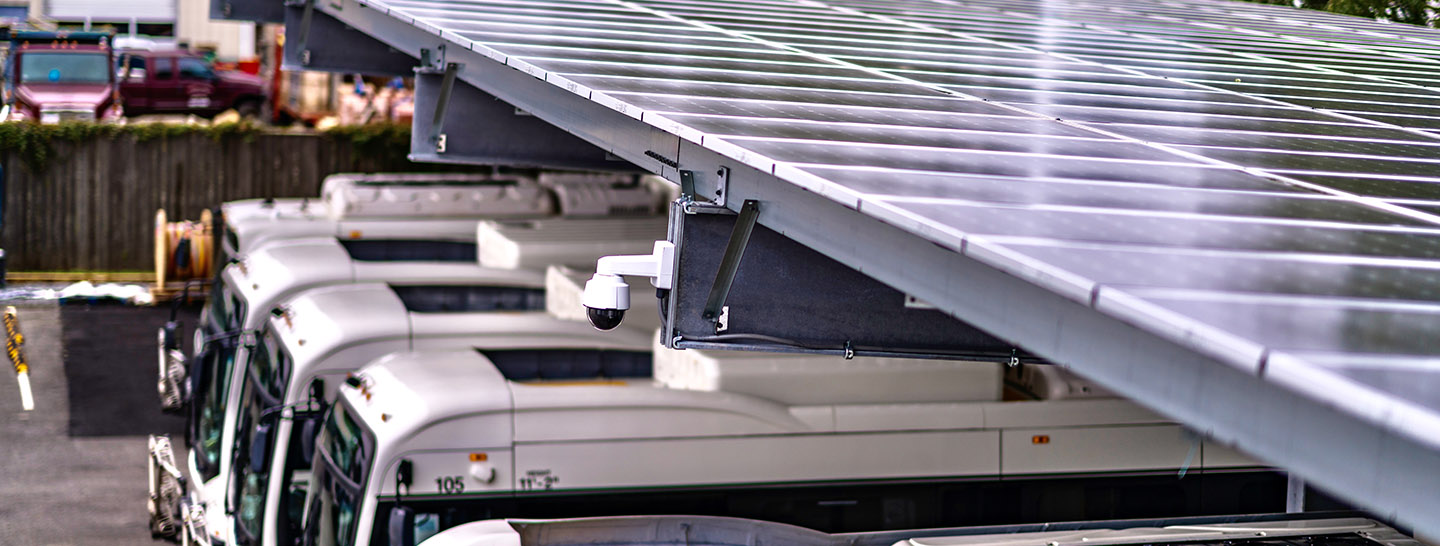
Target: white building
(187, 21)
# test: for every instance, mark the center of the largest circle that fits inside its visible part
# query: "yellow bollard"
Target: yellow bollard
(14, 344)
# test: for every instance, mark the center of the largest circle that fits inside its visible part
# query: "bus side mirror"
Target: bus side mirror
(258, 447)
(405, 474)
(309, 421)
(402, 526)
(170, 335)
(309, 430)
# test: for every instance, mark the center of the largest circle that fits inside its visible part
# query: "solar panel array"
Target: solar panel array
(1257, 182)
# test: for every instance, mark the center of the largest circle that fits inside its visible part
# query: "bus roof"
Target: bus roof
(282, 269)
(322, 323)
(719, 531)
(538, 244)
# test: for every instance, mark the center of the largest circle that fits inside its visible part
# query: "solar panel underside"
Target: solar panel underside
(1256, 182)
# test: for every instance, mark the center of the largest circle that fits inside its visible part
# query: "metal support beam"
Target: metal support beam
(299, 32)
(318, 41)
(258, 11)
(456, 123)
(730, 263)
(613, 132)
(789, 298)
(437, 124)
(1294, 494)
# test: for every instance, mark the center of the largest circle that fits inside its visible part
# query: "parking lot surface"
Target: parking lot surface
(72, 472)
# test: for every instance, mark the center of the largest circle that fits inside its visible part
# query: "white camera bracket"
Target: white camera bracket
(659, 265)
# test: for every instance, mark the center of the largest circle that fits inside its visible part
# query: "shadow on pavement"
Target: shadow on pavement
(110, 366)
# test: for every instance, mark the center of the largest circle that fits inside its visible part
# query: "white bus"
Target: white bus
(1252, 530)
(199, 385)
(352, 206)
(421, 442)
(285, 268)
(397, 206)
(309, 345)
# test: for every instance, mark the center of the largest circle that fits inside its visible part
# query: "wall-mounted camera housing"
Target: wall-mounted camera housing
(607, 295)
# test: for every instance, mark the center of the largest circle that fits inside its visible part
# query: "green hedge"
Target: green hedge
(36, 143)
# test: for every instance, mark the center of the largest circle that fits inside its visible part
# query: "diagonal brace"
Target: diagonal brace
(730, 264)
(437, 127)
(302, 41)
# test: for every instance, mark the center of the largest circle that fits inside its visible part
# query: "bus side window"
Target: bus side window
(426, 526)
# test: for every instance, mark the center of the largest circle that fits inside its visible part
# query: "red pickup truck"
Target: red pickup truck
(176, 81)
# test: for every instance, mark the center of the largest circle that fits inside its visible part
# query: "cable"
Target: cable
(850, 349)
(762, 337)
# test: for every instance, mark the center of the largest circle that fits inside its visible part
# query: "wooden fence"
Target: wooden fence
(92, 206)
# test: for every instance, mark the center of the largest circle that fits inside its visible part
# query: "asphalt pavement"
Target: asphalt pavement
(72, 471)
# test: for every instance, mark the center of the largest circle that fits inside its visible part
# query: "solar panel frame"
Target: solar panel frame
(830, 79)
(925, 244)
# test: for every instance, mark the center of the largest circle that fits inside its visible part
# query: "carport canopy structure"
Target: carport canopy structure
(1227, 211)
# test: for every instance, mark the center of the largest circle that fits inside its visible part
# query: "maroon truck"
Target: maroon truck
(52, 77)
(179, 82)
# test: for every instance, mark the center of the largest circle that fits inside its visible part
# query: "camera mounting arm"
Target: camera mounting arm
(659, 265)
(607, 296)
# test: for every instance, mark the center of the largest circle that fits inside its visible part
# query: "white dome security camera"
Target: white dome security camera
(606, 299)
(607, 296)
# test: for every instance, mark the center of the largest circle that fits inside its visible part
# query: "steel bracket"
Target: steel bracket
(432, 61)
(730, 263)
(722, 185)
(447, 85)
(302, 38)
(687, 186)
(690, 192)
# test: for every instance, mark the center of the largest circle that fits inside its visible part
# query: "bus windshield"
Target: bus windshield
(218, 313)
(212, 378)
(227, 310)
(344, 453)
(37, 67)
(212, 389)
(261, 395)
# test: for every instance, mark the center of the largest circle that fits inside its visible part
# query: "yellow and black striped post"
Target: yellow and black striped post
(14, 346)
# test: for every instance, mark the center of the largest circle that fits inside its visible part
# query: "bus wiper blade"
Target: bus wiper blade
(333, 469)
(270, 401)
(228, 335)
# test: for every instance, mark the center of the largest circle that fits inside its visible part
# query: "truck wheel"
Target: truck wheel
(254, 109)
